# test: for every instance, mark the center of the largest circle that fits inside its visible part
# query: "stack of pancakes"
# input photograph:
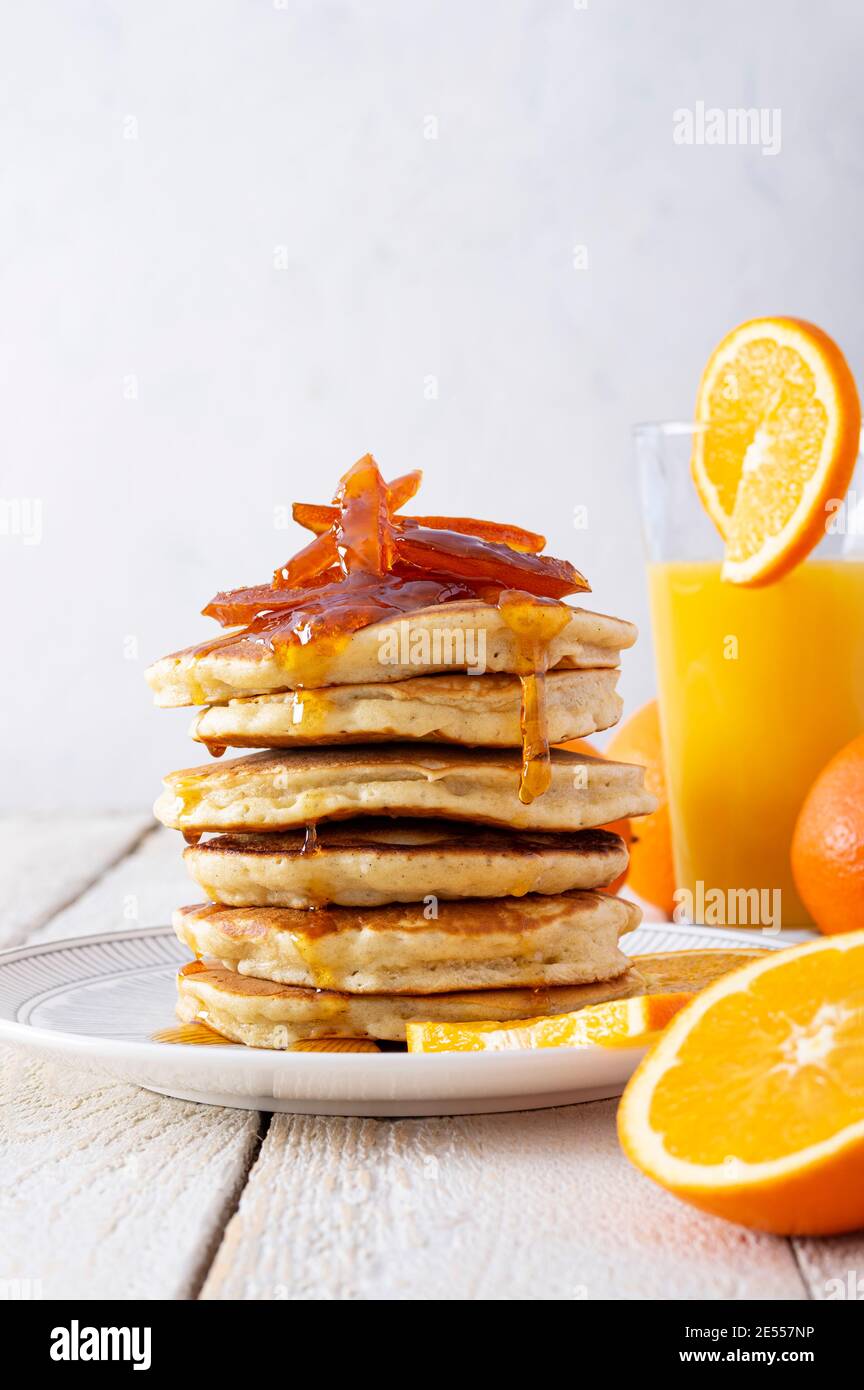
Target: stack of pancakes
(375, 863)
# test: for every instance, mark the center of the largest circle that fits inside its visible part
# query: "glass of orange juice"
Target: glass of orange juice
(758, 688)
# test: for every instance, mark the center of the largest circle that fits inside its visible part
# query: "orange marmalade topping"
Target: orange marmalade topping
(368, 563)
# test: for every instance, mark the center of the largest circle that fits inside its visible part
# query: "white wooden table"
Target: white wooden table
(113, 1192)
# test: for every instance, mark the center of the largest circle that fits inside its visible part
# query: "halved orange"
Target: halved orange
(781, 424)
(616, 1023)
(335, 1045)
(751, 1104)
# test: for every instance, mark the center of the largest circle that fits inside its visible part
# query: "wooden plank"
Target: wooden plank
(141, 890)
(526, 1206)
(49, 861)
(110, 1191)
(833, 1268)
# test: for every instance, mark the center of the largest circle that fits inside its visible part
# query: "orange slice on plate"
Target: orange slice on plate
(751, 1104)
(781, 425)
(617, 1023)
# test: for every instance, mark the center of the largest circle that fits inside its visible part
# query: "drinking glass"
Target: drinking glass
(757, 688)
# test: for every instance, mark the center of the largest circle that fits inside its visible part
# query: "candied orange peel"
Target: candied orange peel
(391, 563)
(367, 562)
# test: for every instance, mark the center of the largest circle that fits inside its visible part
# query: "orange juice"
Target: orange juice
(758, 688)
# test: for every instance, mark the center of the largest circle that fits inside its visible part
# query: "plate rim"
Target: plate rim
(86, 1044)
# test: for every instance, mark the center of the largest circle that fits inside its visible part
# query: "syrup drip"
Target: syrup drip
(216, 750)
(535, 624)
(197, 1034)
(309, 709)
(310, 840)
(536, 764)
(192, 837)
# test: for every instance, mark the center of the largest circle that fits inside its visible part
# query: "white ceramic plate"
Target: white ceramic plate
(97, 1001)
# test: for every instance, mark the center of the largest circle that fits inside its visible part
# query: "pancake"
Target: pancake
(367, 862)
(453, 637)
(279, 791)
(483, 944)
(477, 710)
(263, 1014)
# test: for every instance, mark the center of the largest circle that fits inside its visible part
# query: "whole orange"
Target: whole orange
(828, 843)
(652, 874)
(617, 827)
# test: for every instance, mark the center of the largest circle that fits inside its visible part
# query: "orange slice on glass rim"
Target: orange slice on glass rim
(616, 1023)
(781, 425)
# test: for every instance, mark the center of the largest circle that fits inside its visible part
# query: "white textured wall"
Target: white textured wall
(280, 259)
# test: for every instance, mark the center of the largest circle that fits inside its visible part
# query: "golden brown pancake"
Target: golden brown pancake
(418, 948)
(279, 791)
(459, 636)
(474, 710)
(371, 861)
(263, 1014)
